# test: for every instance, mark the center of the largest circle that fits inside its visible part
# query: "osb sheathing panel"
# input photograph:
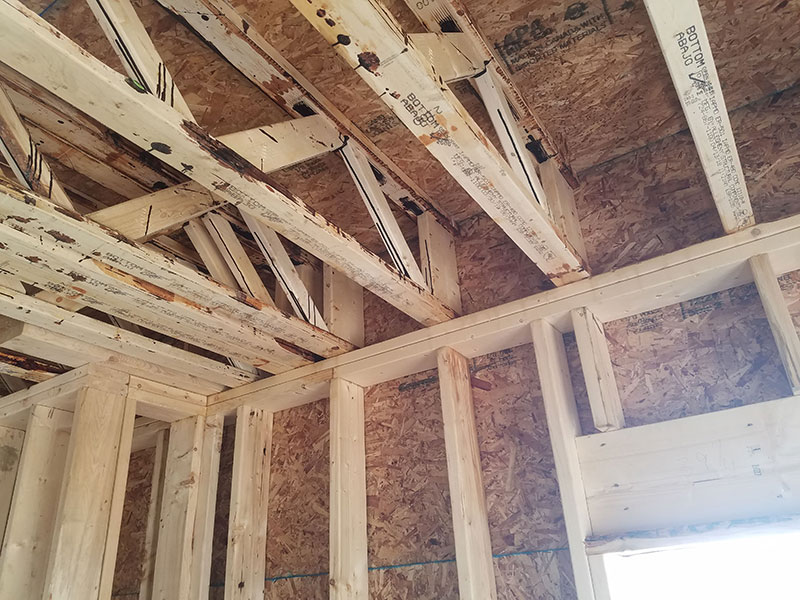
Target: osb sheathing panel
(700, 356)
(130, 552)
(594, 73)
(539, 576)
(655, 200)
(790, 285)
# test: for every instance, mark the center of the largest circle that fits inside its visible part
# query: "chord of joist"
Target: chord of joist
(148, 285)
(684, 42)
(53, 346)
(452, 17)
(388, 61)
(32, 47)
(220, 25)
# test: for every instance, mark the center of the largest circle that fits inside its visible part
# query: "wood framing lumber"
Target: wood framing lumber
(101, 335)
(387, 61)
(147, 274)
(598, 372)
(86, 530)
(210, 253)
(702, 269)
(232, 251)
(220, 25)
(450, 16)
(343, 305)
(684, 42)
(27, 367)
(450, 55)
(437, 256)
(370, 191)
(561, 202)
(348, 522)
(286, 275)
(139, 58)
(564, 427)
(270, 148)
(145, 217)
(779, 318)
(153, 514)
(512, 139)
(729, 465)
(23, 560)
(467, 499)
(39, 52)
(23, 156)
(10, 451)
(245, 566)
(42, 344)
(183, 553)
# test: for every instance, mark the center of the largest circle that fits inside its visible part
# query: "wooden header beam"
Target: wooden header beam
(38, 51)
(702, 269)
(378, 49)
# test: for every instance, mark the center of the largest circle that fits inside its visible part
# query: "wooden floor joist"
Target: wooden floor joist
(220, 25)
(682, 35)
(33, 48)
(388, 62)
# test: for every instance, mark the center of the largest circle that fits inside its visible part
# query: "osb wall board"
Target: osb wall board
(790, 285)
(130, 552)
(408, 499)
(537, 576)
(699, 356)
(437, 581)
(594, 73)
(656, 200)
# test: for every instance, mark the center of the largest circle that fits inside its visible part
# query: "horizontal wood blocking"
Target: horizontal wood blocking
(35, 49)
(384, 57)
(689, 273)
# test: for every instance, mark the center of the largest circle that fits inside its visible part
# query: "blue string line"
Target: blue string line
(48, 7)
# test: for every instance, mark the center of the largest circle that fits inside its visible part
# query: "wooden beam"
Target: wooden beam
(139, 58)
(220, 25)
(10, 450)
(437, 252)
(512, 138)
(598, 372)
(451, 55)
(343, 306)
(101, 335)
(86, 531)
(370, 191)
(210, 253)
(467, 499)
(270, 147)
(286, 275)
(561, 202)
(161, 212)
(22, 155)
(229, 246)
(702, 269)
(153, 515)
(53, 347)
(183, 552)
(348, 522)
(452, 16)
(383, 56)
(23, 560)
(142, 280)
(684, 42)
(29, 45)
(247, 529)
(778, 317)
(564, 427)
